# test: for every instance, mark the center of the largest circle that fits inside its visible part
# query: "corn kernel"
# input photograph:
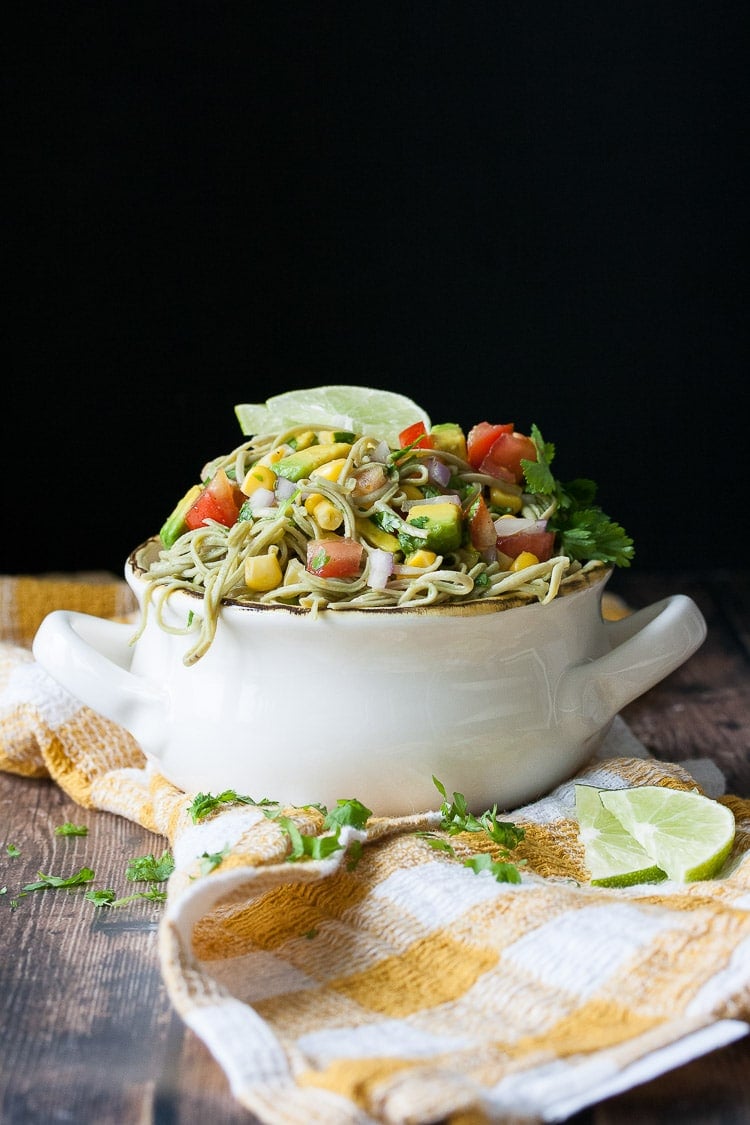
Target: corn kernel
(259, 476)
(304, 440)
(331, 469)
(262, 572)
(275, 455)
(326, 514)
(312, 502)
(422, 558)
(526, 558)
(505, 498)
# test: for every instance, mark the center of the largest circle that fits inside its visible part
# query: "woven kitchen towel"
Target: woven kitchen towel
(387, 981)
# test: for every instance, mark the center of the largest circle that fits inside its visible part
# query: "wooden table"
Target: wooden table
(88, 1034)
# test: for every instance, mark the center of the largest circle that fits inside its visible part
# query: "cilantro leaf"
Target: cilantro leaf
(583, 531)
(539, 478)
(203, 804)
(355, 854)
(103, 897)
(437, 843)
(386, 519)
(210, 861)
(502, 832)
(456, 818)
(579, 493)
(500, 869)
(320, 559)
(68, 829)
(351, 812)
(107, 897)
(147, 869)
(308, 847)
(409, 543)
(347, 812)
(590, 534)
(45, 882)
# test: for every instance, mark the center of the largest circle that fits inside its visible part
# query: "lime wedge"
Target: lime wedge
(613, 857)
(383, 414)
(688, 835)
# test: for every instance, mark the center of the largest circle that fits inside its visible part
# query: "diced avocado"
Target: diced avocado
(449, 437)
(298, 466)
(174, 526)
(442, 522)
(376, 536)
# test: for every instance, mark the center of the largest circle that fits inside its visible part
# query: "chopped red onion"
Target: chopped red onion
(381, 452)
(444, 498)
(285, 488)
(381, 568)
(511, 525)
(438, 471)
(261, 498)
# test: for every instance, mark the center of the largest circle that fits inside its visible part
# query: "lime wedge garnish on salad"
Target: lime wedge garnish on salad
(686, 834)
(368, 410)
(614, 858)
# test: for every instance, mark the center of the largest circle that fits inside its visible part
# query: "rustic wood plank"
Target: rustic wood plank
(703, 708)
(90, 1032)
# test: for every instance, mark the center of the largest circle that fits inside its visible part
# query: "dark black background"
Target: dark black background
(509, 211)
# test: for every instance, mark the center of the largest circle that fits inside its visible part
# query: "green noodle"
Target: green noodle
(211, 559)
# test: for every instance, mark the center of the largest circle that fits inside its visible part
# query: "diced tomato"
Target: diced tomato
(538, 541)
(503, 459)
(416, 434)
(481, 437)
(337, 557)
(218, 501)
(481, 525)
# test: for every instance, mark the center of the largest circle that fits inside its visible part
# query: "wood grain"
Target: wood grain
(88, 1032)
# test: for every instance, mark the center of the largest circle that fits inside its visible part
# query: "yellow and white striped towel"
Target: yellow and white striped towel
(402, 987)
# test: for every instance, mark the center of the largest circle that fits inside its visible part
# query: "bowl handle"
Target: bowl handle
(90, 657)
(645, 647)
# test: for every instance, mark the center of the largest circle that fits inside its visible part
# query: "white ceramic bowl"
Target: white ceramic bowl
(500, 701)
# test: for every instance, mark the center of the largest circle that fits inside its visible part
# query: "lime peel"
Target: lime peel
(341, 406)
(614, 858)
(685, 834)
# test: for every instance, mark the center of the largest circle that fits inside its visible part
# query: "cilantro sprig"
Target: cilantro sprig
(148, 869)
(203, 804)
(457, 819)
(107, 897)
(350, 813)
(584, 531)
(144, 869)
(58, 882)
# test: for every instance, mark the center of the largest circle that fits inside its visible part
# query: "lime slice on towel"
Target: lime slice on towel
(614, 858)
(361, 409)
(686, 834)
